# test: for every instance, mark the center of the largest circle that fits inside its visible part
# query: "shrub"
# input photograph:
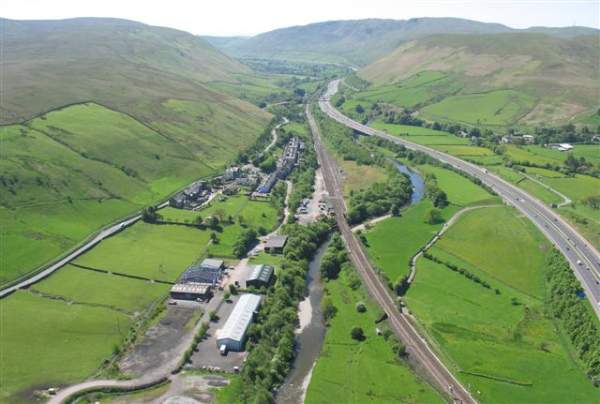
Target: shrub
(357, 334)
(360, 307)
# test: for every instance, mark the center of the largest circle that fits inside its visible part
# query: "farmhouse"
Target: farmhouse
(233, 334)
(260, 276)
(275, 244)
(191, 291)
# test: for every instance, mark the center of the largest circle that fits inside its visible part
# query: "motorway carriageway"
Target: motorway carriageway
(583, 258)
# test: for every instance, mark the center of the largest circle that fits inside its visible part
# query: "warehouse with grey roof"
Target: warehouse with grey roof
(260, 276)
(233, 334)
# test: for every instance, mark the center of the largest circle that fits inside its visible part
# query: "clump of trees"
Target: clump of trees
(246, 239)
(150, 215)
(565, 304)
(380, 198)
(334, 258)
(357, 334)
(433, 216)
(434, 192)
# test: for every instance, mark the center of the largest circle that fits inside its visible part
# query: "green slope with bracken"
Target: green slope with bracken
(491, 80)
(131, 119)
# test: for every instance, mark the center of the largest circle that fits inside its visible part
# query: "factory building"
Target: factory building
(191, 291)
(208, 271)
(260, 276)
(275, 244)
(233, 334)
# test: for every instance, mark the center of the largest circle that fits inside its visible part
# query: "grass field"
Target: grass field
(502, 345)
(348, 371)
(160, 252)
(357, 177)
(48, 342)
(93, 288)
(495, 108)
(392, 242)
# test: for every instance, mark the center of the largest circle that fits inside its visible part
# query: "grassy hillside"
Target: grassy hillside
(106, 116)
(359, 42)
(490, 80)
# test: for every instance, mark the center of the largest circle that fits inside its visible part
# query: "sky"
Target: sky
(250, 17)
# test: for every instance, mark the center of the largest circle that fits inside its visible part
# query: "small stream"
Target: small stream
(416, 180)
(310, 339)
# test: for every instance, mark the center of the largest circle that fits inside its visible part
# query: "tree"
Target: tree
(359, 109)
(399, 349)
(328, 308)
(233, 290)
(357, 334)
(433, 216)
(213, 222)
(360, 307)
(149, 215)
(213, 238)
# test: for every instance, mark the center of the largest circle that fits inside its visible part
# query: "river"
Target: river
(309, 338)
(416, 180)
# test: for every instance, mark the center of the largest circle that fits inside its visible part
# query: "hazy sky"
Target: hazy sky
(247, 17)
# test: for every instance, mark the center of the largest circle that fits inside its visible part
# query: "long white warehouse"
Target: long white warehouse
(233, 333)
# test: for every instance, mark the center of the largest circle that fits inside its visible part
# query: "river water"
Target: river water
(310, 339)
(416, 180)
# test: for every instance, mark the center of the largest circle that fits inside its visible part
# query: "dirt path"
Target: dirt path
(371, 222)
(566, 199)
(453, 219)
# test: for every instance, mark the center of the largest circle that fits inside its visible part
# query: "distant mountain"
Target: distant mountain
(544, 79)
(116, 62)
(359, 42)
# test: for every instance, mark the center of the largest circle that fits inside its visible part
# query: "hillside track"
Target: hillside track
(583, 258)
(400, 323)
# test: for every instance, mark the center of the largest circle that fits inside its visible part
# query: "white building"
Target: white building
(233, 333)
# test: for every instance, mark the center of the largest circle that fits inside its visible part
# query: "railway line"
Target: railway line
(400, 323)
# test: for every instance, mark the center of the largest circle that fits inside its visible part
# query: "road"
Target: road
(274, 134)
(400, 323)
(583, 258)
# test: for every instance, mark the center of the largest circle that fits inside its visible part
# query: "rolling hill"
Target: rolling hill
(102, 117)
(359, 42)
(492, 80)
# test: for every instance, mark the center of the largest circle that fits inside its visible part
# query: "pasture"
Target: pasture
(82, 286)
(499, 343)
(47, 342)
(494, 108)
(392, 242)
(357, 177)
(155, 251)
(348, 371)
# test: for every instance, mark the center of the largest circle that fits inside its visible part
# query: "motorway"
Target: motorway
(583, 258)
(400, 323)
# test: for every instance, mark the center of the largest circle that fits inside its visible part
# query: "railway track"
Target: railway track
(400, 323)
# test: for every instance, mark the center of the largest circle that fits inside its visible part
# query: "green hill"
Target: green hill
(359, 42)
(491, 80)
(105, 116)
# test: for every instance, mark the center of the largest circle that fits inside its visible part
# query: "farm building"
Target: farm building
(209, 272)
(233, 333)
(275, 244)
(191, 291)
(260, 276)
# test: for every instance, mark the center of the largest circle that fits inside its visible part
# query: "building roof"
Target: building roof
(240, 318)
(276, 241)
(192, 287)
(261, 273)
(211, 264)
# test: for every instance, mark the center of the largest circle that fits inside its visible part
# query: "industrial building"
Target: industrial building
(275, 244)
(260, 276)
(191, 291)
(208, 271)
(233, 334)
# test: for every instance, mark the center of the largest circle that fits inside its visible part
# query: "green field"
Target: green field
(392, 242)
(495, 108)
(502, 345)
(160, 252)
(348, 371)
(48, 343)
(92, 288)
